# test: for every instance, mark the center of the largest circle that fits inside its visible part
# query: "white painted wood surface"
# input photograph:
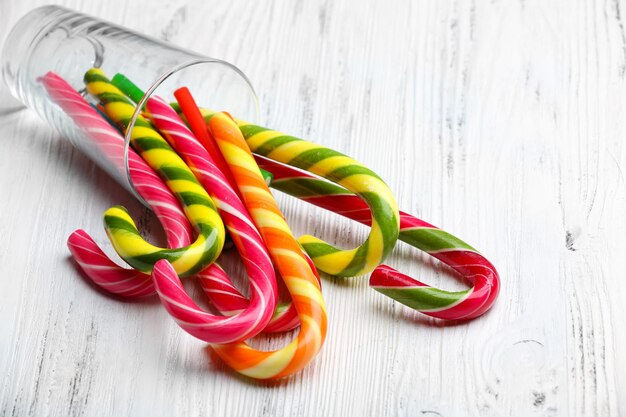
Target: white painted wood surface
(502, 122)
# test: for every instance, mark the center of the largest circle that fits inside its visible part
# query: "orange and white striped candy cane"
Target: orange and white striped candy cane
(285, 253)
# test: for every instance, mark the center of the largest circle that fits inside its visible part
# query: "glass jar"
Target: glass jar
(56, 40)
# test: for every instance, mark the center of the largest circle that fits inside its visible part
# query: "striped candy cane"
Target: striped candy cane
(216, 178)
(98, 267)
(445, 247)
(454, 252)
(346, 172)
(287, 255)
(130, 283)
(228, 300)
(102, 271)
(285, 316)
(197, 204)
(110, 143)
(208, 327)
(448, 249)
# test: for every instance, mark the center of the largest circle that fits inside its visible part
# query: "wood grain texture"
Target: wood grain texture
(502, 122)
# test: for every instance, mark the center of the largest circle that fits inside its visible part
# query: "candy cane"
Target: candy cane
(448, 249)
(285, 316)
(130, 283)
(197, 204)
(97, 266)
(286, 254)
(104, 273)
(452, 251)
(111, 143)
(443, 246)
(208, 327)
(216, 178)
(349, 174)
(228, 300)
(346, 172)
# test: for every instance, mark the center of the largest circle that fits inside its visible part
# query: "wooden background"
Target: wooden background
(501, 121)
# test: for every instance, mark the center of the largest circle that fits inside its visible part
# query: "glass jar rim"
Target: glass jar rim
(155, 85)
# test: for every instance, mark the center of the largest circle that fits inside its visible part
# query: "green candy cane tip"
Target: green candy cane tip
(127, 87)
(425, 299)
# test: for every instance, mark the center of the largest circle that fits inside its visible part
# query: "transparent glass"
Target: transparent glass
(68, 43)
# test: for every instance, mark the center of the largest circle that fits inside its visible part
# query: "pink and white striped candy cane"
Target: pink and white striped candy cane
(92, 260)
(228, 300)
(255, 316)
(106, 274)
(448, 249)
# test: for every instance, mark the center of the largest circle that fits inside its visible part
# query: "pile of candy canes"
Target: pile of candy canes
(203, 174)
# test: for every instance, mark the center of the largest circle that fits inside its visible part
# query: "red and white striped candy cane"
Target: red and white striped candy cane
(130, 283)
(448, 249)
(205, 326)
(105, 273)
